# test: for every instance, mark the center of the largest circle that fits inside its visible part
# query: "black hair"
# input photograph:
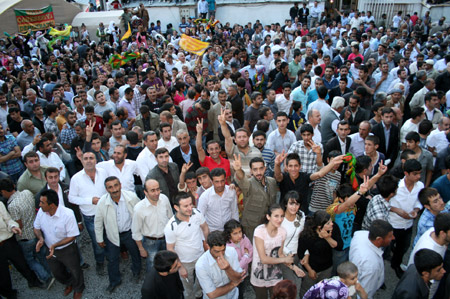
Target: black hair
(416, 112)
(293, 156)
(216, 238)
(258, 133)
(203, 170)
(273, 207)
(425, 127)
(292, 194)
(387, 185)
(180, 196)
(442, 223)
(132, 137)
(344, 191)
(161, 150)
(379, 228)
(164, 260)
(362, 163)
(406, 153)
(7, 184)
(412, 165)
(306, 128)
(312, 223)
(52, 196)
(218, 172)
(425, 260)
(257, 160)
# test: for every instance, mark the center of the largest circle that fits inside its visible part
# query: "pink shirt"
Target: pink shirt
(244, 259)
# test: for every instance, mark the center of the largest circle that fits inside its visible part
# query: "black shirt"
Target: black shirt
(237, 105)
(162, 287)
(173, 188)
(301, 185)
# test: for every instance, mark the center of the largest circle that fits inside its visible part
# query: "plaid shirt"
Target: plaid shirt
(67, 135)
(21, 206)
(193, 113)
(378, 208)
(50, 126)
(12, 166)
(138, 99)
(426, 221)
(308, 158)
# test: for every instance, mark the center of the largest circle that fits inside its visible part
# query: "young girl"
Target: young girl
(269, 240)
(293, 223)
(235, 238)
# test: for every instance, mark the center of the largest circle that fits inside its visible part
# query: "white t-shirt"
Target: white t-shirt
(426, 241)
(293, 231)
(187, 236)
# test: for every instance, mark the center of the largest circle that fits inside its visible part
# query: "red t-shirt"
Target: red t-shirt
(211, 164)
(99, 125)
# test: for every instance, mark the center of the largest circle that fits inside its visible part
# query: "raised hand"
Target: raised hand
(315, 147)
(280, 158)
(221, 118)
(79, 153)
(90, 129)
(185, 167)
(222, 263)
(199, 126)
(382, 169)
(338, 160)
(237, 162)
(364, 187)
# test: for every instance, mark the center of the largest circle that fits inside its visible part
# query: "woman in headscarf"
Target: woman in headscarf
(113, 32)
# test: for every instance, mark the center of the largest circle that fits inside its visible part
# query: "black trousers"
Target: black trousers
(10, 251)
(67, 260)
(400, 245)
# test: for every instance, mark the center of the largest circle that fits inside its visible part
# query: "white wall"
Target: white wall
(267, 13)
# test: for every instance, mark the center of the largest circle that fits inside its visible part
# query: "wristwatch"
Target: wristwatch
(359, 193)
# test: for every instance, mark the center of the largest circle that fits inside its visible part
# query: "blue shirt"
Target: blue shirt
(312, 97)
(186, 157)
(345, 222)
(426, 221)
(299, 96)
(442, 184)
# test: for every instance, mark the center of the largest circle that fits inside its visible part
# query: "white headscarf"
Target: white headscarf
(111, 28)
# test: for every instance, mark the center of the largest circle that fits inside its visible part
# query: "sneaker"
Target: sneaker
(403, 267)
(99, 268)
(49, 283)
(85, 266)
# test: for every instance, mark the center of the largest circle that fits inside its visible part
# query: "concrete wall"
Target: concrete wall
(234, 13)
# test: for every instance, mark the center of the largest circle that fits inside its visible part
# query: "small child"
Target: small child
(343, 286)
(235, 238)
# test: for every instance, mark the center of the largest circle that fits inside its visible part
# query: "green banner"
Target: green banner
(35, 19)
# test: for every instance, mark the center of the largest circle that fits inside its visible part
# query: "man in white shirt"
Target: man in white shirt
(49, 158)
(437, 139)
(404, 208)
(122, 168)
(113, 216)
(218, 269)
(86, 188)
(320, 104)
(435, 238)
(167, 140)
(281, 139)
(149, 219)
(184, 234)
(367, 254)
(63, 251)
(218, 204)
(357, 146)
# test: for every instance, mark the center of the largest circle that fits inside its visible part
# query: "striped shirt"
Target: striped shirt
(323, 190)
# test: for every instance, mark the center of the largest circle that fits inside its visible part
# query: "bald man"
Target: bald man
(150, 217)
(27, 135)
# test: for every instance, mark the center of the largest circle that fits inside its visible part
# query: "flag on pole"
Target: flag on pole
(193, 45)
(127, 34)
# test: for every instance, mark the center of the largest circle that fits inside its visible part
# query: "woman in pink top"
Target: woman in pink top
(179, 92)
(236, 239)
(268, 239)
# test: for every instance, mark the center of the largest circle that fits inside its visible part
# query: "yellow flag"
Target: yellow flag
(193, 45)
(65, 32)
(127, 34)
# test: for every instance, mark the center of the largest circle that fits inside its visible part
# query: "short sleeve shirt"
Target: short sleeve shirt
(187, 236)
(211, 164)
(300, 185)
(265, 275)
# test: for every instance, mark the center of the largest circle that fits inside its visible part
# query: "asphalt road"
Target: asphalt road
(96, 285)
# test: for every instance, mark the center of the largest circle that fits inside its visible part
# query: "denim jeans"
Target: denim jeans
(339, 256)
(36, 260)
(99, 252)
(152, 247)
(113, 256)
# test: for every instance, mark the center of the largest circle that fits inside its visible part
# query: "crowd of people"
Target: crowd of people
(296, 157)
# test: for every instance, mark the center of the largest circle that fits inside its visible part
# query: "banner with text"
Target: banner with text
(35, 19)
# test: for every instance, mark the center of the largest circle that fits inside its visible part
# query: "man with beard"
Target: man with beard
(259, 191)
(114, 216)
(259, 141)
